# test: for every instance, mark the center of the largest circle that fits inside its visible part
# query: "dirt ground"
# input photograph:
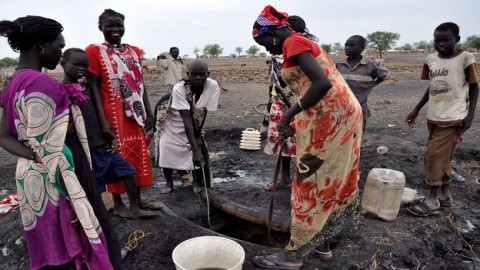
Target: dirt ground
(450, 240)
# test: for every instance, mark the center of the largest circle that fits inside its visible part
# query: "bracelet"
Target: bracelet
(33, 155)
(300, 105)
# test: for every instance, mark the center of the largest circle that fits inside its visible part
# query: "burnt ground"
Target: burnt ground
(450, 240)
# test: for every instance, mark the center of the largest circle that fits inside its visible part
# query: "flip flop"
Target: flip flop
(325, 256)
(273, 262)
(421, 209)
(270, 186)
(124, 214)
(445, 203)
(150, 205)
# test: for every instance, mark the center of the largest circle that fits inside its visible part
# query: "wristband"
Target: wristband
(300, 105)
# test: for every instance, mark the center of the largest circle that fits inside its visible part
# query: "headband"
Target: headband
(269, 20)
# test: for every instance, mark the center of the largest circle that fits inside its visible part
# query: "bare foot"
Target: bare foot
(167, 188)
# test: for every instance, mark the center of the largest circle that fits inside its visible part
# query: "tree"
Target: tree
(8, 62)
(253, 50)
(239, 50)
(337, 46)
(421, 45)
(262, 54)
(381, 40)
(214, 50)
(473, 42)
(407, 47)
(195, 51)
(327, 47)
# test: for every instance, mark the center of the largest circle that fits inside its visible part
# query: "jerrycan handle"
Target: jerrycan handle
(249, 129)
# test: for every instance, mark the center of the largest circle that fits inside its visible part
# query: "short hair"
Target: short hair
(197, 62)
(24, 32)
(68, 53)
(448, 26)
(361, 39)
(173, 48)
(108, 13)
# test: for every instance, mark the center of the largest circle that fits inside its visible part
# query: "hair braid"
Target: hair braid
(24, 32)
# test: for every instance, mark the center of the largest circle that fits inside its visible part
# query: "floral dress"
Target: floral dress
(324, 189)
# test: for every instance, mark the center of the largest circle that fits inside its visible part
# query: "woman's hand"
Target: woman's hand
(113, 146)
(284, 129)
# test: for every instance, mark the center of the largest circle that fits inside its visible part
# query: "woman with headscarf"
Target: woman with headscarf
(63, 216)
(328, 130)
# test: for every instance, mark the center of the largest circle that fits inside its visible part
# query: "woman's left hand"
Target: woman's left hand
(284, 128)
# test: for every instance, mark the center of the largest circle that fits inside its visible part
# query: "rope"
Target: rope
(265, 113)
(133, 238)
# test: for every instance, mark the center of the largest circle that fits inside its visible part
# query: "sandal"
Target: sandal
(446, 203)
(421, 209)
(275, 262)
(124, 214)
(325, 256)
(270, 186)
(149, 205)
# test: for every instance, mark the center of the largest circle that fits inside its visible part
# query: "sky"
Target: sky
(157, 25)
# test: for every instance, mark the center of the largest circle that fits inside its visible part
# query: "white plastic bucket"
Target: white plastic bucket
(208, 252)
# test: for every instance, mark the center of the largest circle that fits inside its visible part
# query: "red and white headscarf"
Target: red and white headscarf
(269, 20)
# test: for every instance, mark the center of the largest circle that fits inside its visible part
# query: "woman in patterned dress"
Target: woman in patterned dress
(65, 222)
(328, 130)
(115, 74)
(281, 99)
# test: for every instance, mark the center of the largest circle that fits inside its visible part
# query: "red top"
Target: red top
(295, 45)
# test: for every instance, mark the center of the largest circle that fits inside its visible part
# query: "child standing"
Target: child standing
(362, 74)
(108, 165)
(452, 98)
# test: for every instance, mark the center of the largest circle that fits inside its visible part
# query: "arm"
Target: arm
(319, 87)
(12, 145)
(149, 122)
(410, 121)
(472, 97)
(188, 123)
(94, 82)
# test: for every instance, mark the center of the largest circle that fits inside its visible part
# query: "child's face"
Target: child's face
(444, 42)
(353, 47)
(113, 29)
(76, 66)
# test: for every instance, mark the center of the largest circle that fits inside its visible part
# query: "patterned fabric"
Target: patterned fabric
(328, 152)
(281, 100)
(38, 108)
(269, 20)
(120, 74)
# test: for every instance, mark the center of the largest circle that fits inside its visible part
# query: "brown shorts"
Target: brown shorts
(439, 153)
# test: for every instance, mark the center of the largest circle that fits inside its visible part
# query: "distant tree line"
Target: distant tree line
(8, 62)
